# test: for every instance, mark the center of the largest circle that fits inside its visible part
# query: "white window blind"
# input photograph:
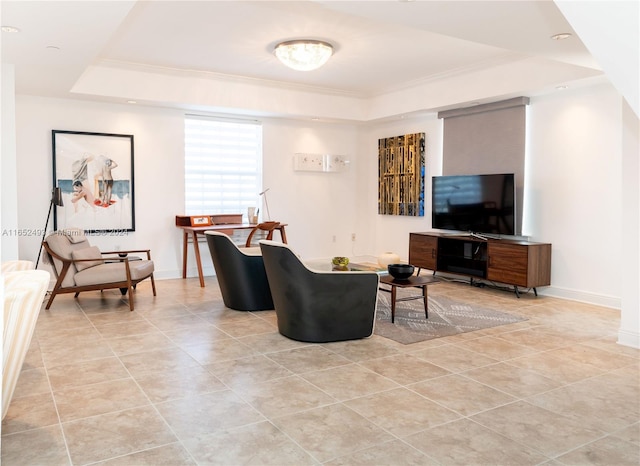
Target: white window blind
(223, 165)
(488, 138)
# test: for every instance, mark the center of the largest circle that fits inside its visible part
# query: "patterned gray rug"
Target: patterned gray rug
(446, 317)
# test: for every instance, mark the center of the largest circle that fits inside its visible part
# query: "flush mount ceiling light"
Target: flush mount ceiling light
(561, 36)
(303, 54)
(10, 29)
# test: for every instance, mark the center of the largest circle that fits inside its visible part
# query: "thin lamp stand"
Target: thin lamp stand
(56, 199)
(266, 204)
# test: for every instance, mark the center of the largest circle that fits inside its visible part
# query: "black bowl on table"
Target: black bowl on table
(400, 271)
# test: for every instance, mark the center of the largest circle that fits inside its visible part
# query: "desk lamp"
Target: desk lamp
(266, 204)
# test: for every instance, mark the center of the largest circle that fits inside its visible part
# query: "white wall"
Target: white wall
(316, 206)
(574, 183)
(387, 232)
(158, 166)
(611, 33)
(8, 170)
(629, 333)
(573, 190)
(573, 193)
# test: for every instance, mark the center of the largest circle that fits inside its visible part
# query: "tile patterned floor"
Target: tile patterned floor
(184, 381)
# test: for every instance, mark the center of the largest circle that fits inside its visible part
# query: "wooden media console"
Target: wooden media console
(512, 262)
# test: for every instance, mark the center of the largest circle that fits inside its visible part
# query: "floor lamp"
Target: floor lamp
(56, 199)
(266, 204)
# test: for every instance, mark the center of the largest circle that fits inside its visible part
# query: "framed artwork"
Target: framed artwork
(201, 221)
(94, 172)
(320, 163)
(401, 171)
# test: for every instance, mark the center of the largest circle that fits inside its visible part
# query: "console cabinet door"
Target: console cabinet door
(508, 263)
(527, 265)
(423, 251)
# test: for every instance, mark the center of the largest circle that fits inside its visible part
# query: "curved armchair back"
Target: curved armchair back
(268, 227)
(240, 273)
(319, 306)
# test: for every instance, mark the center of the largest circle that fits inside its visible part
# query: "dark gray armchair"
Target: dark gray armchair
(240, 273)
(317, 306)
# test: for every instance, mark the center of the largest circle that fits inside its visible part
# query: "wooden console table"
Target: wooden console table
(512, 262)
(193, 232)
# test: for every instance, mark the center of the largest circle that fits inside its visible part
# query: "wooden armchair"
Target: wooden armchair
(269, 228)
(78, 266)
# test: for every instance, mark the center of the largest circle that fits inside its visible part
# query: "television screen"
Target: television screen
(474, 203)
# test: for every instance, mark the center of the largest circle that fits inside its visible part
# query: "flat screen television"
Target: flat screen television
(475, 203)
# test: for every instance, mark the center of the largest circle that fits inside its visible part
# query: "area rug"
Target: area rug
(446, 317)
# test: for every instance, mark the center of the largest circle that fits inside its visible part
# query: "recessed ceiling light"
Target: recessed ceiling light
(564, 86)
(10, 29)
(561, 36)
(131, 102)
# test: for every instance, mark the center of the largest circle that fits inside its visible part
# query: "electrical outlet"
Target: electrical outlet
(353, 236)
(334, 238)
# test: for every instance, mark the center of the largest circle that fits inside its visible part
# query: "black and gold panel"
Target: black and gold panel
(401, 175)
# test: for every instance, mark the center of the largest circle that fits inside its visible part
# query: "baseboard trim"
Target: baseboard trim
(551, 291)
(582, 296)
(191, 273)
(629, 338)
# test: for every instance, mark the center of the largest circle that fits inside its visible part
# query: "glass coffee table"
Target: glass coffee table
(367, 266)
(356, 264)
(413, 282)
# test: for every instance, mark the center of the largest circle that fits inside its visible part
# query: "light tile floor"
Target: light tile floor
(183, 380)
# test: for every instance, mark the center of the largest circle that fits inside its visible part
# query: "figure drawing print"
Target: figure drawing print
(95, 174)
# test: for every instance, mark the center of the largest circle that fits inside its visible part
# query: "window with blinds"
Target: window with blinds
(223, 165)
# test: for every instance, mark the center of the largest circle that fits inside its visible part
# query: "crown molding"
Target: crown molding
(229, 78)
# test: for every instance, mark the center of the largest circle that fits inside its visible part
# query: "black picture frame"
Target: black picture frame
(95, 173)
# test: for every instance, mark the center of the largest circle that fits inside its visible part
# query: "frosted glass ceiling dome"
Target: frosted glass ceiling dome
(304, 54)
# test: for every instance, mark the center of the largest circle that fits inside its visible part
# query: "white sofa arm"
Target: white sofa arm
(14, 266)
(23, 293)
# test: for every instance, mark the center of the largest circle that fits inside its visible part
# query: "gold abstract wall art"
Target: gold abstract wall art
(401, 175)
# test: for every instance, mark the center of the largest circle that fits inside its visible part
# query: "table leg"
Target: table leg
(393, 302)
(426, 301)
(185, 240)
(196, 248)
